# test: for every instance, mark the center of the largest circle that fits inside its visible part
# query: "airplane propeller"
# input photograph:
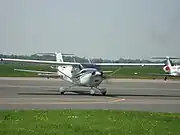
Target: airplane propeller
(107, 78)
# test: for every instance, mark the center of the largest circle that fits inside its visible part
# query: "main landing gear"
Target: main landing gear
(103, 91)
(165, 78)
(62, 90)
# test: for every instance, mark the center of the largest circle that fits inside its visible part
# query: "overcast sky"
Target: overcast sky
(91, 28)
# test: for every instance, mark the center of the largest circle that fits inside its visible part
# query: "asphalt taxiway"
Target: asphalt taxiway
(124, 94)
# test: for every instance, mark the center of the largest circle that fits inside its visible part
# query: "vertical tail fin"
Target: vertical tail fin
(168, 60)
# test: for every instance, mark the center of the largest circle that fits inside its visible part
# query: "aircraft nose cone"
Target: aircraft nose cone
(99, 73)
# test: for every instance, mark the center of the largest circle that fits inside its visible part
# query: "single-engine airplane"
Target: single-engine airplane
(78, 74)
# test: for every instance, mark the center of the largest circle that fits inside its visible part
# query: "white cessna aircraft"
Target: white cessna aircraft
(169, 68)
(78, 74)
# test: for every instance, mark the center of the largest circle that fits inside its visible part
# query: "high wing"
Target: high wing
(38, 61)
(75, 63)
(129, 64)
(156, 74)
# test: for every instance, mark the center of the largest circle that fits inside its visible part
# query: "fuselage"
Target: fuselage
(87, 77)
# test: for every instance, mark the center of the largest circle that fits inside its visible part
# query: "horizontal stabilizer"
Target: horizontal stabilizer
(34, 71)
(55, 75)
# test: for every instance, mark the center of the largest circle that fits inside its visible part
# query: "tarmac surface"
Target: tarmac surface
(123, 94)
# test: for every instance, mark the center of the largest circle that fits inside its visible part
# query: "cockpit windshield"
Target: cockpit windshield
(87, 70)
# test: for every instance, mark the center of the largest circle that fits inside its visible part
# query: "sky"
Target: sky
(109, 29)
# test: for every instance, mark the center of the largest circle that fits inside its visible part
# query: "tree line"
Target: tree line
(77, 59)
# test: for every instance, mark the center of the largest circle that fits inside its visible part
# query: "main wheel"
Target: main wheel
(62, 93)
(61, 90)
(92, 92)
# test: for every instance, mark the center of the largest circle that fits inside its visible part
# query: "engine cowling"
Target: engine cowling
(85, 79)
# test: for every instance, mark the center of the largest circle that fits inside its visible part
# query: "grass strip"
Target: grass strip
(89, 122)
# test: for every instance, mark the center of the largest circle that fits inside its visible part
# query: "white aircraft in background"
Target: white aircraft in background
(169, 68)
(78, 74)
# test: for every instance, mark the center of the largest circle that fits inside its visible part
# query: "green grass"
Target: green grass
(7, 70)
(90, 122)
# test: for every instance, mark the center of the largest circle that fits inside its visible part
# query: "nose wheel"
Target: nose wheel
(104, 92)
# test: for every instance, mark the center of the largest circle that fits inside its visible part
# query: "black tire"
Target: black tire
(62, 93)
(104, 93)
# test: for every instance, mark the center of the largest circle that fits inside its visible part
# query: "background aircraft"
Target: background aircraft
(78, 74)
(169, 68)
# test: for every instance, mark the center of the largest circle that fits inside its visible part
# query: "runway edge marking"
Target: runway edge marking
(61, 102)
